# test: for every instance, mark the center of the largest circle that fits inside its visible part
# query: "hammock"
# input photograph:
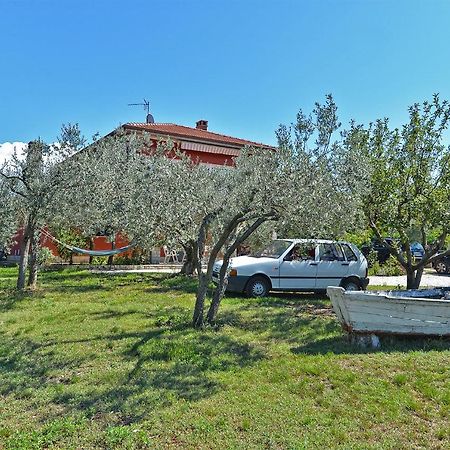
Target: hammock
(83, 251)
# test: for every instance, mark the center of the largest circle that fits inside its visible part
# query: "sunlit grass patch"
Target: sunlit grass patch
(111, 361)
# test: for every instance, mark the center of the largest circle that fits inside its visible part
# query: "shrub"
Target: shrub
(45, 256)
(390, 268)
(99, 260)
(137, 257)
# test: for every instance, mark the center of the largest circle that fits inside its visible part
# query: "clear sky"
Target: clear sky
(245, 66)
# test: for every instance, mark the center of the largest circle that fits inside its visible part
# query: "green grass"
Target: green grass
(105, 362)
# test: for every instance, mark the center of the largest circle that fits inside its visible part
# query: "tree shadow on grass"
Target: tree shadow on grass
(168, 364)
(61, 275)
(78, 288)
(24, 367)
(309, 321)
(288, 317)
(9, 298)
(389, 344)
(174, 282)
(149, 370)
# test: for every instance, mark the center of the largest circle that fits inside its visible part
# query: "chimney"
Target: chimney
(202, 125)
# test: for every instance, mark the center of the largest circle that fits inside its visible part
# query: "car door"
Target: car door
(298, 270)
(331, 267)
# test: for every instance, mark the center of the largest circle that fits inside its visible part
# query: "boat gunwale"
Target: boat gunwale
(378, 294)
(348, 324)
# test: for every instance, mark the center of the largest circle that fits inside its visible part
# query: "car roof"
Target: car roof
(317, 241)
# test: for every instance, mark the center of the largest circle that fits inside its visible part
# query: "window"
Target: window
(330, 252)
(349, 254)
(274, 250)
(303, 252)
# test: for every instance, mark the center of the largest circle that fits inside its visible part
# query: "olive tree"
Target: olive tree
(336, 174)
(32, 180)
(310, 189)
(409, 185)
(125, 186)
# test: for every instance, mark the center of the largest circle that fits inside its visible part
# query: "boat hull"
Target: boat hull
(391, 312)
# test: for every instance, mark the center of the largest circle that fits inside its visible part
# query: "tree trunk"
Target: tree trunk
(111, 257)
(203, 278)
(33, 264)
(24, 252)
(197, 320)
(91, 247)
(190, 264)
(413, 277)
(219, 292)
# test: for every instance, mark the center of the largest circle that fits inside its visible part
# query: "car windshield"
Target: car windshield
(274, 250)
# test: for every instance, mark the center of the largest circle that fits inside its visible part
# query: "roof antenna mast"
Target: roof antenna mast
(146, 105)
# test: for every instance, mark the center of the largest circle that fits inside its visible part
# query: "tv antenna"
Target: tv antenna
(146, 105)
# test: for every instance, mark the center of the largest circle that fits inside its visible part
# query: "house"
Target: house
(199, 143)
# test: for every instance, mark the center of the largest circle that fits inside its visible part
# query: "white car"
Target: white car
(297, 265)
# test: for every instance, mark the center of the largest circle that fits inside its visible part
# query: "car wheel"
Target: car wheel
(441, 267)
(257, 287)
(351, 285)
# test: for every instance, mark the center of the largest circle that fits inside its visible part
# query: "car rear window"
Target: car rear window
(349, 254)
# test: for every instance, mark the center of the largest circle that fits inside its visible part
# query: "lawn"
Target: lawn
(104, 362)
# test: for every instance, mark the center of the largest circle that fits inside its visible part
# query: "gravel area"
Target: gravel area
(429, 279)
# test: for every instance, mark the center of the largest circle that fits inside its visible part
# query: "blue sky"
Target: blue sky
(245, 66)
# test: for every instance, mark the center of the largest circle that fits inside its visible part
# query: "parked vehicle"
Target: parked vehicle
(417, 250)
(383, 253)
(379, 248)
(297, 265)
(442, 265)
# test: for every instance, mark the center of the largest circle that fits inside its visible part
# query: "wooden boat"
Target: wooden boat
(423, 312)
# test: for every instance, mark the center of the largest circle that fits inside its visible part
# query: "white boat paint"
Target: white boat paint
(392, 312)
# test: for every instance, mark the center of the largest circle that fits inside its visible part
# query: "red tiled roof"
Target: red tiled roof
(180, 131)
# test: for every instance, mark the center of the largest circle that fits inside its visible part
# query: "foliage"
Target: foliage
(33, 180)
(410, 181)
(108, 183)
(137, 256)
(99, 260)
(45, 256)
(333, 177)
(389, 268)
(69, 236)
(372, 257)
(359, 238)
(100, 361)
(8, 221)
